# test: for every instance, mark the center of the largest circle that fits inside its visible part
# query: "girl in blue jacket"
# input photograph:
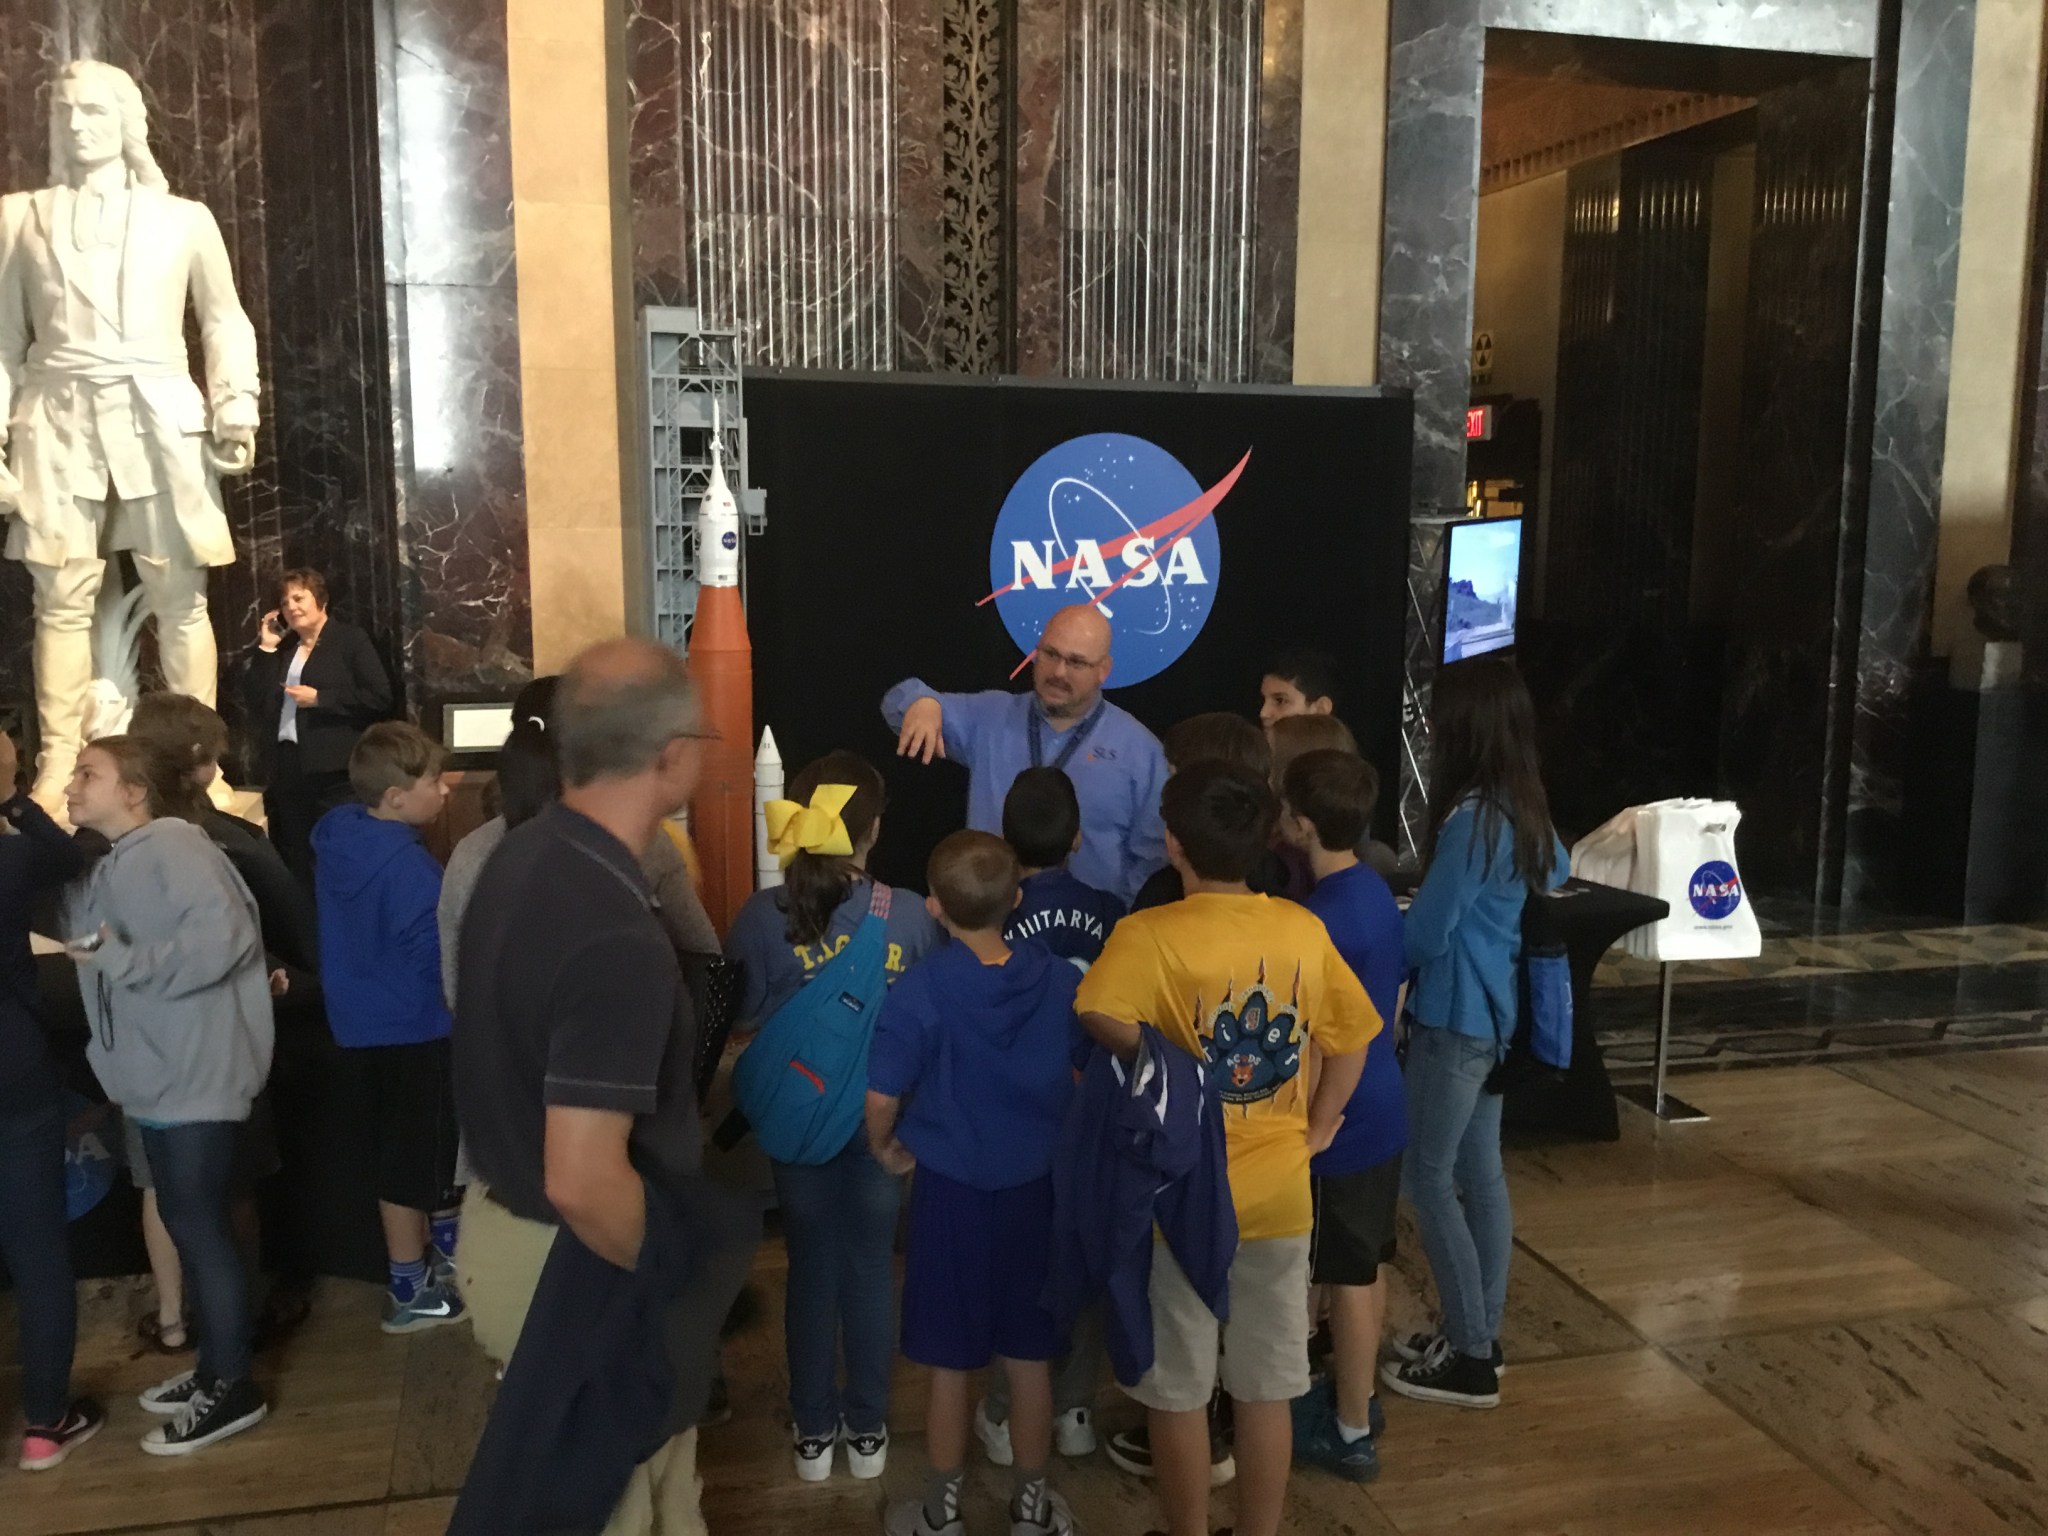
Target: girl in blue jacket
(1491, 844)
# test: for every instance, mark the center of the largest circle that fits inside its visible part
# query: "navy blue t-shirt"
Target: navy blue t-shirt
(985, 1056)
(1365, 924)
(1068, 917)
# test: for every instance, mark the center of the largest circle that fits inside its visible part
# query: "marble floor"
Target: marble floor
(1824, 1311)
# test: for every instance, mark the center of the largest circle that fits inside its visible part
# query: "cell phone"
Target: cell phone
(89, 943)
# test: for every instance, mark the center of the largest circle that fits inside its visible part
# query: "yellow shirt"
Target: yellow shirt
(1244, 982)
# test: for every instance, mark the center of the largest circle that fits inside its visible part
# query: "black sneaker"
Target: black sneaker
(44, 1446)
(1445, 1376)
(214, 1411)
(1417, 1346)
(170, 1397)
(1131, 1450)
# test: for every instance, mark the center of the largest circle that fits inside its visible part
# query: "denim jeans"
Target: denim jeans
(37, 1247)
(193, 1167)
(839, 1220)
(1452, 1175)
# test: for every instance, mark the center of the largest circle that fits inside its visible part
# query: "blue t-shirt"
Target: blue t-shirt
(1068, 917)
(1365, 925)
(985, 1056)
(775, 968)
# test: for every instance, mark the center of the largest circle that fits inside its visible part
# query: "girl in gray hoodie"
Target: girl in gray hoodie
(170, 957)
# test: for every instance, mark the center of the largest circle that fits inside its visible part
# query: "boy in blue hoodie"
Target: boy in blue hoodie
(981, 1040)
(377, 889)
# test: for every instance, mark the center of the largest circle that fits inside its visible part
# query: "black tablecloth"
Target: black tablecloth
(1592, 917)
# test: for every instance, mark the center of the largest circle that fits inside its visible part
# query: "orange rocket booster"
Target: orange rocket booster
(722, 663)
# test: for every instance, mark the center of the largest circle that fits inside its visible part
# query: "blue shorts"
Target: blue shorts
(974, 1274)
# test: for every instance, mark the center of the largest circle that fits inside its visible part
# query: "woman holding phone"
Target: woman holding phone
(314, 685)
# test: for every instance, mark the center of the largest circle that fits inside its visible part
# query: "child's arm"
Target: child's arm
(1113, 1035)
(889, 1152)
(1332, 1095)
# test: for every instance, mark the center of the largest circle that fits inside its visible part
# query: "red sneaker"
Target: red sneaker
(44, 1446)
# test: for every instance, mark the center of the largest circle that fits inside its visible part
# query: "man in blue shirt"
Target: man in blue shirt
(1327, 799)
(1065, 723)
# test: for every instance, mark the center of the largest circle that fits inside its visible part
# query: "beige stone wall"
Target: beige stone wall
(1343, 176)
(1991, 304)
(577, 355)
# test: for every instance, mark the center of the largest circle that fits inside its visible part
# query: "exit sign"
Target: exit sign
(1479, 424)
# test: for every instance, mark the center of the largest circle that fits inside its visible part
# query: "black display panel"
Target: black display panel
(883, 497)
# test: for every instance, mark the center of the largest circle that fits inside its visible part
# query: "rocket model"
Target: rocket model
(722, 663)
(767, 786)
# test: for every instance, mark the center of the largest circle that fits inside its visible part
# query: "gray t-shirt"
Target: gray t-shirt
(776, 968)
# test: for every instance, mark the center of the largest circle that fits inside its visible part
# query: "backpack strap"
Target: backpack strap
(878, 899)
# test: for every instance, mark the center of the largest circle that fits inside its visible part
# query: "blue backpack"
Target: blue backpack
(802, 1082)
(1540, 1047)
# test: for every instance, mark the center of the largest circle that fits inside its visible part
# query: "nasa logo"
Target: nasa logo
(1119, 522)
(1714, 890)
(729, 539)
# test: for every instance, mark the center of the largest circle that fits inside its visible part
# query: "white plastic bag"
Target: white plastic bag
(1685, 854)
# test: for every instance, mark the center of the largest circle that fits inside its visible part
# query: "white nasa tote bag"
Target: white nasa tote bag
(1685, 854)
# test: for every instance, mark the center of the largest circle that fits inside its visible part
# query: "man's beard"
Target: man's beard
(1071, 708)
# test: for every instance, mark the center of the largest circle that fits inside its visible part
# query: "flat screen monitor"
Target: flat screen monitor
(1483, 570)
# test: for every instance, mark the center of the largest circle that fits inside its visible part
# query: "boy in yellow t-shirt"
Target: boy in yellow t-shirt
(1248, 983)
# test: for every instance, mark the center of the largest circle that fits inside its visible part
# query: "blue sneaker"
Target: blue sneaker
(432, 1306)
(1324, 1391)
(1318, 1444)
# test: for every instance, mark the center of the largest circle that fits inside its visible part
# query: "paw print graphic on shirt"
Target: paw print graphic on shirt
(1254, 1049)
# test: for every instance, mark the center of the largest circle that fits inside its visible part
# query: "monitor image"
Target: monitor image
(1483, 569)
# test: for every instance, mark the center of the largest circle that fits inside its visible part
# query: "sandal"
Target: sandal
(158, 1335)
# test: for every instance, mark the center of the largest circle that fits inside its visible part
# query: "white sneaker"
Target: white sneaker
(1073, 1431)
(867, 1456)
(814, 1457)
(995, 1438)
(1057, 1520)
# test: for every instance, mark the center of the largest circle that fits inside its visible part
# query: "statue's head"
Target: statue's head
(96, 116)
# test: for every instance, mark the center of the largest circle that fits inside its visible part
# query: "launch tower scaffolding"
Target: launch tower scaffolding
(693, 380)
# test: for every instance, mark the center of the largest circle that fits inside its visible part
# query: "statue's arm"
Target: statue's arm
(225, 334)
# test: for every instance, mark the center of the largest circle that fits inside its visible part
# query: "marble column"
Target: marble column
(1340, 189)
(578, 352)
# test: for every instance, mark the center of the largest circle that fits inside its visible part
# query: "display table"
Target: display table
(1581, 1103)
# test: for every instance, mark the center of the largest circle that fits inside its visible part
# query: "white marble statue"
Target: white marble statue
(110, 443)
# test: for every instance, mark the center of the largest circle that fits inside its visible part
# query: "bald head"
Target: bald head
(1071, 662)
(619, 707)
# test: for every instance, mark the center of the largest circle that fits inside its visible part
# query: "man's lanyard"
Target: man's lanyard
(1073, 742)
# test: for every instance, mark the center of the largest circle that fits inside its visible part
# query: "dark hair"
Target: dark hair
(1336, 791)
(182, 726)
(974, 877)
(143, 764)
(1313, 673)
(814, 884)
(1483, 748)
(392, 754)
(1220, 738)
(1222, 816)
(1041, 817)
(1292, 735)
(303, 576)
(528, 778)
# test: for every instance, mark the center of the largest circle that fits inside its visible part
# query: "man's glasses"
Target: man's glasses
(1064, 659)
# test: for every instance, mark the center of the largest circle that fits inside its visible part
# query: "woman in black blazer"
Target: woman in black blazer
(308, 702)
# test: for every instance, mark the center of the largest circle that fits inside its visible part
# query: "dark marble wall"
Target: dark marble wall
(295, 122)
(974, 185)
(1431, 196)
(1787, 523)
(1923, 227)
(451, 309)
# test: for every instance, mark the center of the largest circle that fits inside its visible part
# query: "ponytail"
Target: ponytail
(814, 884)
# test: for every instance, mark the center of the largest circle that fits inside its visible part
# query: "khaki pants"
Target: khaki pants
(498, 1260)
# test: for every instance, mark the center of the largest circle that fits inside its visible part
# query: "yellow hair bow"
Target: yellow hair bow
(814, 828)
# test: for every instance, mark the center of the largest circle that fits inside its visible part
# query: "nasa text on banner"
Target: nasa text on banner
(1119, 522)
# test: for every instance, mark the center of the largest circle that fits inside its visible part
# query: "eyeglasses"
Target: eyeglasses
(1074, 663)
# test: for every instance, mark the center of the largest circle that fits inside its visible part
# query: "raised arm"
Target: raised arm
(931, 724)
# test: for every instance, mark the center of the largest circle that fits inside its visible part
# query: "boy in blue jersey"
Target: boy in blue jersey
(1042, 823)
(975, 1049)
(1328, 798)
